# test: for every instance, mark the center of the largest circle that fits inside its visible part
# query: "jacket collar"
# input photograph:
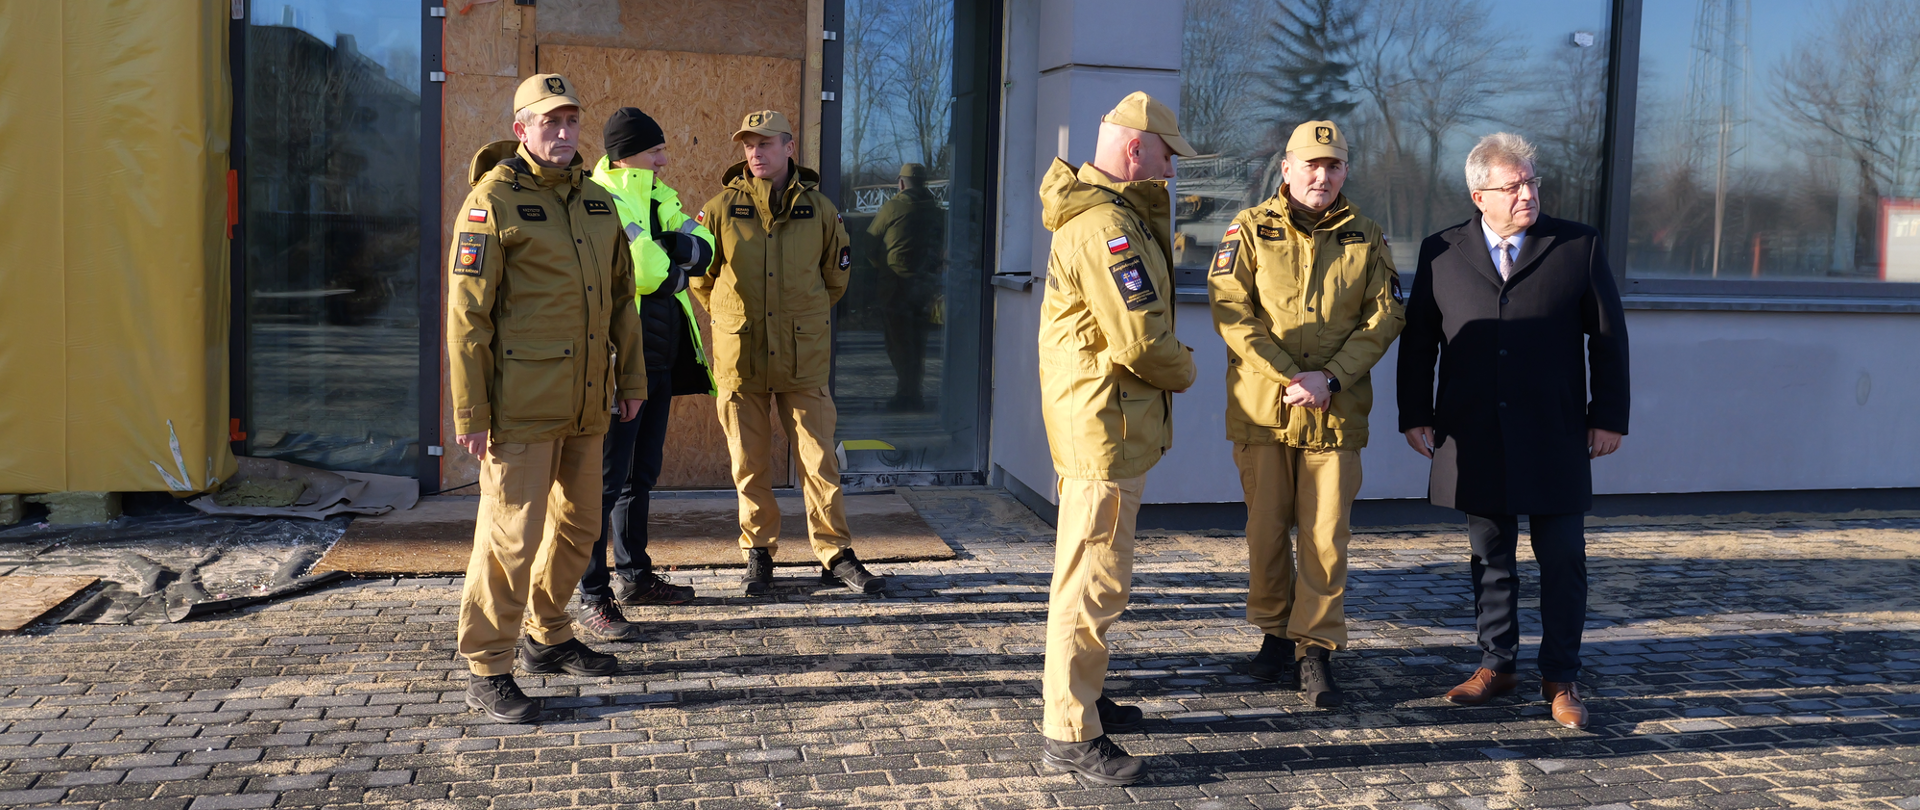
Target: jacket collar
(637, 183)
(1467, 238)
(1337, 214)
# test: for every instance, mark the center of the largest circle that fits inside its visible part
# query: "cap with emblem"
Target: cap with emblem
(1317, 139)
(544, 92)
(1142, 112)
(764, 122)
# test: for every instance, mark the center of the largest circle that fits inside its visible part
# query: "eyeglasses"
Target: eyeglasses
(1532, 183)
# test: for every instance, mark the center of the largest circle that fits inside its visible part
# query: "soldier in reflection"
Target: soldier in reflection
(911, 229)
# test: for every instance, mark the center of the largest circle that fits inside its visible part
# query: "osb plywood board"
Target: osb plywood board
(682, 532)
(25, 599)
(774, 28)
(697, 98)
(482, 39)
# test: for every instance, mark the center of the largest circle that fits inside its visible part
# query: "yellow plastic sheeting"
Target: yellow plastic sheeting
(114, 124)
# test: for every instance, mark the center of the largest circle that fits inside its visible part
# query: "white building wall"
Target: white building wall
(1722, 401)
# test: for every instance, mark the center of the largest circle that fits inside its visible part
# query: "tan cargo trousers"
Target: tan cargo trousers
(1092, 577)
(808, 419)
(539, 517)
(1288, 487)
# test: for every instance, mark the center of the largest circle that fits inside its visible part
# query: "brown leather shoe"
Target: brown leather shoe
(1485, 685)
(1567, 708)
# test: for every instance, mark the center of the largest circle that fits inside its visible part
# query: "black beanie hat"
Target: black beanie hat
(630, 132)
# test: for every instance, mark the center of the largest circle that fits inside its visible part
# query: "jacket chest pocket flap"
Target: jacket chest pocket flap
(536, 379)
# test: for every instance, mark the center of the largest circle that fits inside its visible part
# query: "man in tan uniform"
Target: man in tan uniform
(911, 229)
(1109, 365)
(539, 297)
(782, 257)
(1305, 294)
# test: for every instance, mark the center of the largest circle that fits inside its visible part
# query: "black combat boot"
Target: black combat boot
(501, 699)
(570, 656)
(1274, 662)
(1316, 679)
(649, 588)
(1118, 719)
(605, 622)
(759, 577)
(1099, 759)
(847, 570)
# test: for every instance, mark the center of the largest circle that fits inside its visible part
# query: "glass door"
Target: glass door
(330, 234)
(915, 145)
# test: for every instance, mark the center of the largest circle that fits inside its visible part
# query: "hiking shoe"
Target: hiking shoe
(501, 699)
(847, 570)
(1099, 759)
(1316, 679)
(649, 589)
(1274, 663)
(570, 656)
(1115, 718)
(759, 577)
(604, 621)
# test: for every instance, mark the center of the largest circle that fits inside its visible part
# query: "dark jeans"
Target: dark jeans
(1560, 547)
(630, 466)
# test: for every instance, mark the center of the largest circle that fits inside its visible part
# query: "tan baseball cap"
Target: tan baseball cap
(1140, 111)
(913, 171)
(764, 122)
(1317, 139)
(544, 92)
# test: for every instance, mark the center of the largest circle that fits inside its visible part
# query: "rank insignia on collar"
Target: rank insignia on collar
(597, 207)
(802, 212)
(1352, 237)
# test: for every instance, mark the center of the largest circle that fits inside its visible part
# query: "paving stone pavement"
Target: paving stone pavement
(1731, 666)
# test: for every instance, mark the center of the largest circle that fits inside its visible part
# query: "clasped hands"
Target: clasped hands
(1309, 390)
(476, 442)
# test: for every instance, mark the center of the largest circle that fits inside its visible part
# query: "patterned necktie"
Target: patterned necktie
(1506, 258)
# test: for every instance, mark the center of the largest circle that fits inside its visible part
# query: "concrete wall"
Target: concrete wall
(1724, 401)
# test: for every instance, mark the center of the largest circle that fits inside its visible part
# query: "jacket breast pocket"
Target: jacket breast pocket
(812, 343)
(536, 380)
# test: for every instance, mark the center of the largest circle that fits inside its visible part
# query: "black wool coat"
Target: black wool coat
(1525, 368)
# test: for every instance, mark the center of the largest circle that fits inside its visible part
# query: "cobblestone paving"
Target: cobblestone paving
(1732, 667)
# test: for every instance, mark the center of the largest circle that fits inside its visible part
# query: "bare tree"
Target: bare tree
(1216, 77)
(925, 59)
(868, 37)
(1454, 55)
(1853, 93)
(1568, 113)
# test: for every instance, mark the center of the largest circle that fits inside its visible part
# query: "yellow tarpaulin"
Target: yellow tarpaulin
(113, 253)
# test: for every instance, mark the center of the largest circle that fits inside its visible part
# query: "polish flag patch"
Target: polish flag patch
(1117, 244)
(476, 215)
(1232, 229)
(700, 217)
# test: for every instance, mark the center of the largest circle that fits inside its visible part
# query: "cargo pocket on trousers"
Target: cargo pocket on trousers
(812, 344)
(536, 380)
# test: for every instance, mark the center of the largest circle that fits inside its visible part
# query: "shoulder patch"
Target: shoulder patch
(1118, 244)
(1223, 260)
(1270, 233)
(597, 207)
(700, 216)
(533, 213)
(802, 212)
(471, 254)
(1136, 288)
(1394, 279)
(476, 215)
(1231, 230)
(741, 211)
(846, 257)
(1053, 280)
(1351, 237)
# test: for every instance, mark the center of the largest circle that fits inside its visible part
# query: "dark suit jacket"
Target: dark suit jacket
(1512, 407)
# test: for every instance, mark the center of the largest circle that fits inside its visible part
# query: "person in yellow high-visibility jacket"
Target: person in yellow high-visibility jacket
(668, 247)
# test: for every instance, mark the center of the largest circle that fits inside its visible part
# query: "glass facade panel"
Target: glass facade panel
(1413, 83)
(332, 233)
(1778, 141)
(913, 160)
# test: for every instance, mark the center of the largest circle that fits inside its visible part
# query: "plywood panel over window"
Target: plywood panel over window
(698, 100)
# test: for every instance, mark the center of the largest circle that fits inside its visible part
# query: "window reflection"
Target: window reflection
(1413, 82)
(1778, 141)
(332, 233)
(907, 340)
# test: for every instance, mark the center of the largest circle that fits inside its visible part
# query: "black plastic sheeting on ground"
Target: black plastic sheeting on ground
(173, 566)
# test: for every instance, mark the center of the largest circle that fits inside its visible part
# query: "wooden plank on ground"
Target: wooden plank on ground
(24, 599)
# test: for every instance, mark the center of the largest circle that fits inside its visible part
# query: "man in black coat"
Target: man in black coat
(1521, 313)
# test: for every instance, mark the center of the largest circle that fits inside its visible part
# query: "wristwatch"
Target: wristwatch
(1333, 383)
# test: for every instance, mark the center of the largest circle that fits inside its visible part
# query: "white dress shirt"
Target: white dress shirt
(1493, 242)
